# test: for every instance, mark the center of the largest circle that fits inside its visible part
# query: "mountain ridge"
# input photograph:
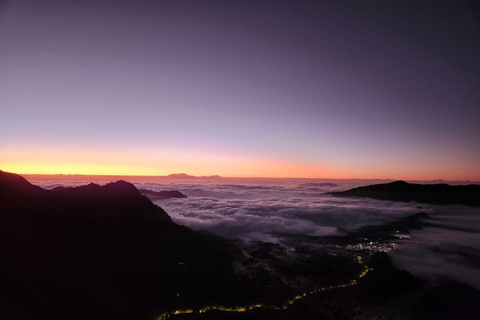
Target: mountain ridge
(441, 193)
(162, 195)
(116, 200)
(101, 252)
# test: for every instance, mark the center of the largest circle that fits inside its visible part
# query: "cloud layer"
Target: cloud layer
(451, 247)
(246, 211)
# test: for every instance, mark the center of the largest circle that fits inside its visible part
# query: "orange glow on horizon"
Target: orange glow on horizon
(226, 169)
(155, 164)
(160, 163)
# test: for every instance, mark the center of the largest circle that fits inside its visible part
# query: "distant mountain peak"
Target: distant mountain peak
(122, 187)
(188, 176)
(215, 176)
(180, 175)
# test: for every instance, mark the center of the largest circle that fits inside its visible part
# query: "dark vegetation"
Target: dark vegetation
(366, 301)
(275, 274)
(425, 193)
(385, 293)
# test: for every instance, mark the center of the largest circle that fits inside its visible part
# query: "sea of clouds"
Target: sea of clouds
(252, 212)
(252, 209)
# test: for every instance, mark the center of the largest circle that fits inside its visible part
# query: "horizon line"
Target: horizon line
(229, 177)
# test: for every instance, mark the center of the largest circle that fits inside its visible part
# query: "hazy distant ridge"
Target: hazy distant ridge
(407, 192)
(162, 195)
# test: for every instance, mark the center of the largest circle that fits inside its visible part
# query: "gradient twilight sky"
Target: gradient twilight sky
(332, 89)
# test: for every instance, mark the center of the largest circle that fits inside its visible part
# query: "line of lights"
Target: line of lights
(287, 304)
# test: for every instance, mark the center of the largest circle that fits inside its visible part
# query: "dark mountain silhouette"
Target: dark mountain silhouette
(426, 193)
(12, 185)
(101, 252)
(21, 200)
(180, 176)
(162, 195)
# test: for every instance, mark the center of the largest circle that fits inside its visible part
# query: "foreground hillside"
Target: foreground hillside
(100, 252)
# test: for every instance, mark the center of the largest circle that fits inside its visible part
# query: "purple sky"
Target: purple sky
(377, 89)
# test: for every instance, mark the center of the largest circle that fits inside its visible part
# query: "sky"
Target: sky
(317, 89)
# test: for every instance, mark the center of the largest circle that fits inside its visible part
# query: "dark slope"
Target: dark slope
(20, 200)
(162, 195)
(13, 184)
(429, 193)
(100, 252)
